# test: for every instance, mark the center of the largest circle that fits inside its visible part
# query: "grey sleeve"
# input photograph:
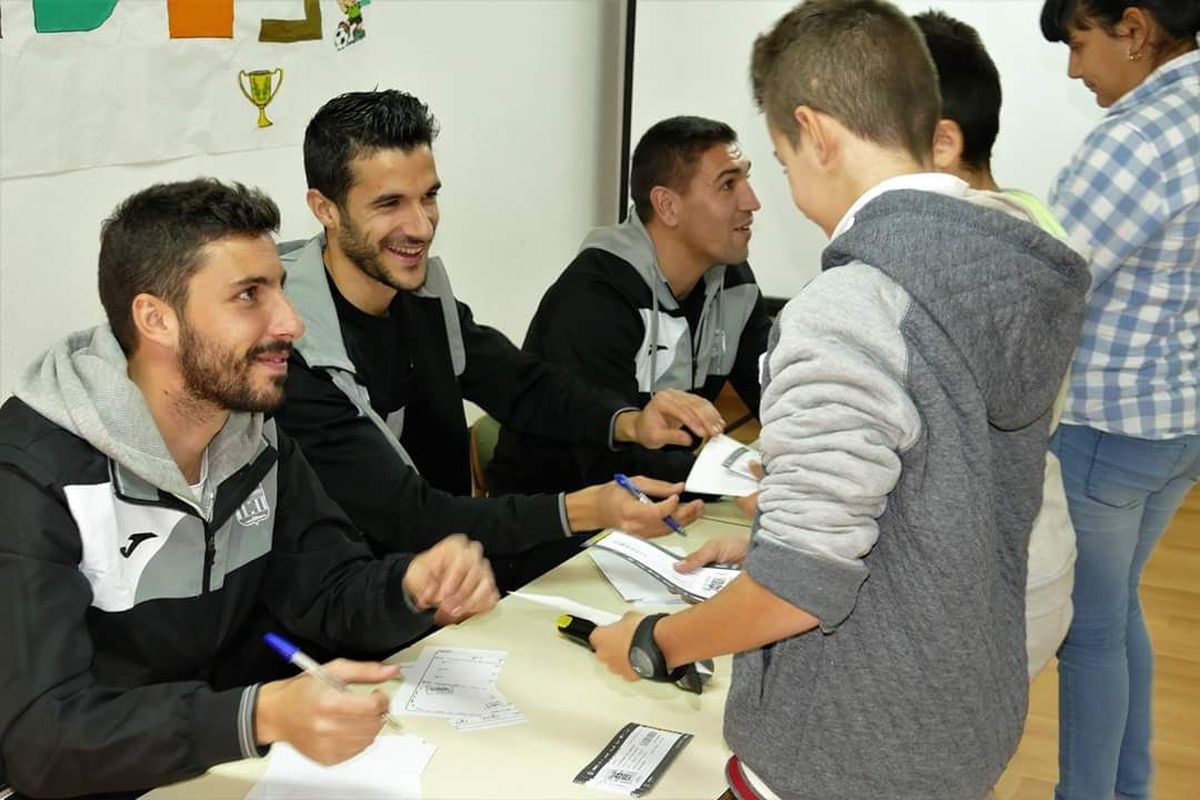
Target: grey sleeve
(836, 416)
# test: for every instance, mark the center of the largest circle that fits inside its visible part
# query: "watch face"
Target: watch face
(641, 662)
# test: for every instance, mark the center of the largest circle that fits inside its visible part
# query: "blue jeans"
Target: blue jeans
(1122, 493)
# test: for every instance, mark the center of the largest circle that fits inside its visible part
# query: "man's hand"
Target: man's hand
(611, 643)
(730, 550)
(662, 421)
(324, 724)
(453, 577)
(607, 505)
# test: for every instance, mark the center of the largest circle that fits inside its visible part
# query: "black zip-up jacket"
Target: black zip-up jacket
(406, 491)
(612, 318)
(127, 609)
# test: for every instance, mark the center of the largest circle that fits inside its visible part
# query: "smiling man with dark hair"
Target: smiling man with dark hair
(376, 396)
(663, 301)
(151, 512)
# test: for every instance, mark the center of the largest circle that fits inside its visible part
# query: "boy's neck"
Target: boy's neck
(977, 178)
(872, 165)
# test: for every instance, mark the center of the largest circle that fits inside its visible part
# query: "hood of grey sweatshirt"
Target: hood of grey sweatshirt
(999, 323)
(630, 242)
(82, 385)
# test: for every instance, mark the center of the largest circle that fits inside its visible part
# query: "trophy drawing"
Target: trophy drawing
(261, 93)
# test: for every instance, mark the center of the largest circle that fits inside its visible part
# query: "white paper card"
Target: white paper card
(723, 468)
(660, 564)
(390, 768)
(631, 581)
(459, 685)
(567, 606)
(632, 762)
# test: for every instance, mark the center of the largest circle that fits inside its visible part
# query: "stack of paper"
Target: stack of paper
(458, 685)
(632, 582)
(659, 564)
(390, 769)
(723, 467)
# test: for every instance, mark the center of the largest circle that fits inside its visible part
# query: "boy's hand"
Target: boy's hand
(611, 643)
(748, 505)
(729, 550)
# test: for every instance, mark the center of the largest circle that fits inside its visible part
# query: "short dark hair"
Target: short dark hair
(969, 83)
(1179, 18)
(861, 61)
(667, 155)
(360, 123)
(153, 241)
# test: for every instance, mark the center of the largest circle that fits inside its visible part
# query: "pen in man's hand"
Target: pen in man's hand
(629, 486)
(305, 662)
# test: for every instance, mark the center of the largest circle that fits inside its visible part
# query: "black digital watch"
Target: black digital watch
(645, 656)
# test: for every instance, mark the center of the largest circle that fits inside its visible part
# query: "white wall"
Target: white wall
(693, 57)
(528, 97)
(528, 94)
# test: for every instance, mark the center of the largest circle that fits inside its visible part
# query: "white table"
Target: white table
(573, 704)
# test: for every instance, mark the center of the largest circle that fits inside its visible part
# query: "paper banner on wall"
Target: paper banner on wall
(62, 16)
(200, 19)
(293, 30)
(263, 84)
(350, 30)
(165, 97)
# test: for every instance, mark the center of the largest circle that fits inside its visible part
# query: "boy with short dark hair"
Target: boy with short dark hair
(962, 146)
(906, 401)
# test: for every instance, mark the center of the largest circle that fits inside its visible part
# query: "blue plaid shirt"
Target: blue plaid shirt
(1131, 197)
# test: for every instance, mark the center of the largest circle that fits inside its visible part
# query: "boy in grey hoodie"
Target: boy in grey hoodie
(907, 396)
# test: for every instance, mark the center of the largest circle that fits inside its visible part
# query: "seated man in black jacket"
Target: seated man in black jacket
(375, 399)
(665, 300)
(150, 512)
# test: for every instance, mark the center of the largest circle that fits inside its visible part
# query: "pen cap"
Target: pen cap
(280, 645)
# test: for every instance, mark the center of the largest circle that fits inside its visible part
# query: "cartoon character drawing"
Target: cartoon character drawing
(350, 30)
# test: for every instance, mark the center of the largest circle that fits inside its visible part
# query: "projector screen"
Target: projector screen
(693, 57)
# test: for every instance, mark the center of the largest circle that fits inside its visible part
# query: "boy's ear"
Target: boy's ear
(813, 132)
(947, 146)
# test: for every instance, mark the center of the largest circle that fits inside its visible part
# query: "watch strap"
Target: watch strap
(643, 639)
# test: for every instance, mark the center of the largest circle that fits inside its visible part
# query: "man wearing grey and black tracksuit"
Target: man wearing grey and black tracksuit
(611, 317)
(128, 598)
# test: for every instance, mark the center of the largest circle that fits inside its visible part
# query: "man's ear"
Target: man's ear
(155, 321)
(666, 205)
(947, 146)
(324, 209)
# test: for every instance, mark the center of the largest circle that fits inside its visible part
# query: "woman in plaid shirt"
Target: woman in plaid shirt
(1129, 442)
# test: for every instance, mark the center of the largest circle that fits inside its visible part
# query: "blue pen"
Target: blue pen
(305, 662)
(628, 486)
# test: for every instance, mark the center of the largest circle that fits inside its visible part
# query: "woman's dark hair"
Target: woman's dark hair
(1180, 19)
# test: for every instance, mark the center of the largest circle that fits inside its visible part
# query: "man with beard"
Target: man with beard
(665, 300)
(376, 395)
(151, 512)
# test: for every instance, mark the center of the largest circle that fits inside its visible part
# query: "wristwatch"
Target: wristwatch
(645, 656)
